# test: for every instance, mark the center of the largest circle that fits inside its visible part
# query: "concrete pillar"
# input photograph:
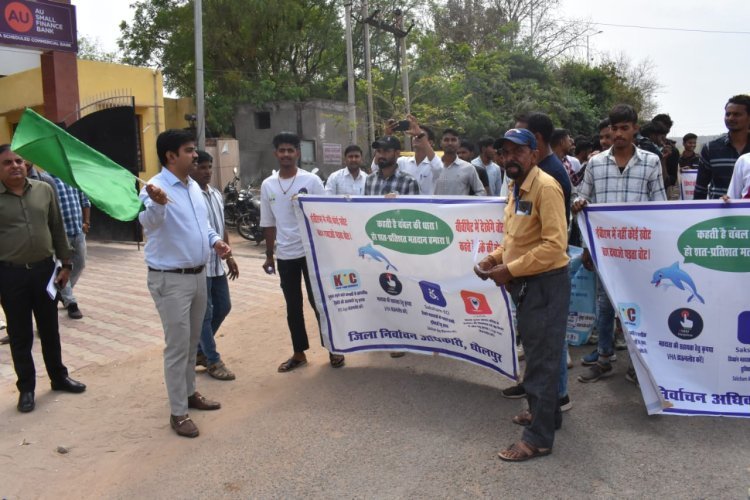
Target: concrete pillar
(60, 84)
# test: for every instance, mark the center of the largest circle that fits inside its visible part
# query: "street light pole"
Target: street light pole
(588, 56)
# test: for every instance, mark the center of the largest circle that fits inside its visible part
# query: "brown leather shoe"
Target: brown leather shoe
(183, 426)
(199, 402)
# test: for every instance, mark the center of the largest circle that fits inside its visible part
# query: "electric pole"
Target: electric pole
(200, 105)
(397, 30)
(368, 73)
(350, 75)
(404, 71)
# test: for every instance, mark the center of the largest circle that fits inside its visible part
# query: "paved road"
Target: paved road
(414, 427)
(119, 315)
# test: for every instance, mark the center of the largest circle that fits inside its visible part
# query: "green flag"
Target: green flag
(108, 185)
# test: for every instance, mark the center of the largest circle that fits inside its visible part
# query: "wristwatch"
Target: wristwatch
(67, 266)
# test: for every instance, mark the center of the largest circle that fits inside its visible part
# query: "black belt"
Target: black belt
(188, 270)
(29, 265)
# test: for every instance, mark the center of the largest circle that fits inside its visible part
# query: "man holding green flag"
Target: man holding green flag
(178, 244)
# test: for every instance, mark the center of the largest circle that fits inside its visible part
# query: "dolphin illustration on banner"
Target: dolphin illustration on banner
(375, 254)
(679, 278)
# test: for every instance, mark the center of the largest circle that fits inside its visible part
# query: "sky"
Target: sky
(698, 72)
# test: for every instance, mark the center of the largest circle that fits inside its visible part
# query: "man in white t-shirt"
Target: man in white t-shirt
(280, 228)
(351, 178)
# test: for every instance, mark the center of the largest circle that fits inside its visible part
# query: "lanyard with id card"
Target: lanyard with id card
(523, 207)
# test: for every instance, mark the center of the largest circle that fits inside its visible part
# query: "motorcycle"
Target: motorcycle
(242, 210)
(231, 195)
(248, 225)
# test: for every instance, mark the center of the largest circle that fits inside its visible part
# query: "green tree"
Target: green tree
(473, 64)
(254, 51)
(90, 49)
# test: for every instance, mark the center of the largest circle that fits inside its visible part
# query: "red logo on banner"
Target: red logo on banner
(19, 17)
(475, 303)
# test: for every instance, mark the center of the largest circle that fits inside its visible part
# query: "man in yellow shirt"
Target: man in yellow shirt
(533, 265)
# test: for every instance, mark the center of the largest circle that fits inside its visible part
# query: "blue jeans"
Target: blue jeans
(217, 308)
(605, 321)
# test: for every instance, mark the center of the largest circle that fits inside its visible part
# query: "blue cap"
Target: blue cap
(520, 136)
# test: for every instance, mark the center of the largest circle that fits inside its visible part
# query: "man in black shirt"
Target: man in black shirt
(719, 156)
(689, 159)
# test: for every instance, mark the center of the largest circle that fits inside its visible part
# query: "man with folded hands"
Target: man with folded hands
(533, 266)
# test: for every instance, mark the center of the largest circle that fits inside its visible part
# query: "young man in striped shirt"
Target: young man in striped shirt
(719, 156)
(217, 286)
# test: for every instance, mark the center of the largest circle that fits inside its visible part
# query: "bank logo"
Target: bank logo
(391, 284)
(19, 17)
(743, 327)
(475, 303)
(685, 323)
(432, 294)
(630, 313)
(345, 279)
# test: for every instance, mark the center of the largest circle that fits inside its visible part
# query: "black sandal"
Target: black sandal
(290, 364)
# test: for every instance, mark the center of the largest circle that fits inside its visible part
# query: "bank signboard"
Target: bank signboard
(39, 25)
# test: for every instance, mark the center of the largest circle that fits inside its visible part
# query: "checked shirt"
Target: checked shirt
(71, 202)
(640, 180)
(399, 182)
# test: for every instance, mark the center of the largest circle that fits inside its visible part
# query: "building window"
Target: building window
(262, 119)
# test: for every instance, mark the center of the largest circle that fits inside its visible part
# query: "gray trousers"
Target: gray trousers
(78, 243)
(542, 303)
(181, 302)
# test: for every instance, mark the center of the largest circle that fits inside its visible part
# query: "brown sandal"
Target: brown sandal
(522, 451)
(337, 360)
(523, 418)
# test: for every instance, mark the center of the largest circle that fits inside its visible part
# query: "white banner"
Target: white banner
(677, 274)
(397, 274)
(687, 183)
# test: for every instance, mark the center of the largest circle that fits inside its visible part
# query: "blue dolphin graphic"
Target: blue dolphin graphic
(376, 255)
(677, 276)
